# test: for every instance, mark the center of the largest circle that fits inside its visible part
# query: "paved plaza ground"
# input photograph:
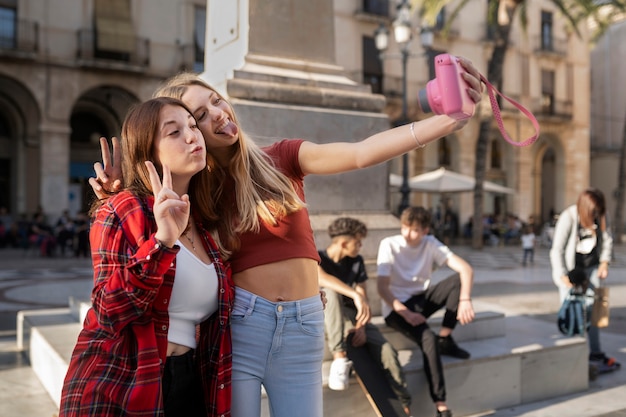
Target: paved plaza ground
(501, 284)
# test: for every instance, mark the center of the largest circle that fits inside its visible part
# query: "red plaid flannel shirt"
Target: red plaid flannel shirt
(118, 361)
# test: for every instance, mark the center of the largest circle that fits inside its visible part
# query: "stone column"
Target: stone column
(54, 169)
(280, 74)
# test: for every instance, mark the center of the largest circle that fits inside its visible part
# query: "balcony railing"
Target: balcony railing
(190, 58)
(19, 35)
(541, 108)
(556, 108)
(376, 7)
(136, 52)
(550, 45)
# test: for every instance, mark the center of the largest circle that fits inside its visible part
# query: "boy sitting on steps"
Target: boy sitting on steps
(342, 275)
(405, 264)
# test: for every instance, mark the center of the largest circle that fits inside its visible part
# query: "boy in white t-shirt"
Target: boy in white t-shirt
(405, 264)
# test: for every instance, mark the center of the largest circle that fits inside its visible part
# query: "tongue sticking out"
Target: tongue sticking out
(230, 129)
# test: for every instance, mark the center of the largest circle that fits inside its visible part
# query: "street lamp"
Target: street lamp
(402, 33)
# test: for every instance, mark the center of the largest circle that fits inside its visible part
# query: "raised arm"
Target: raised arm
(332, 158)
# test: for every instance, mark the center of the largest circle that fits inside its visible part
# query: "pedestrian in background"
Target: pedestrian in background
(528, 244)
(582, 241)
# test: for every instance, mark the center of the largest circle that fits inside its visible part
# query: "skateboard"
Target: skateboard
(374, 383)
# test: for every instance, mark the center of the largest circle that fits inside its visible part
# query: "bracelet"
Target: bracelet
(465, 299)
(420, 145)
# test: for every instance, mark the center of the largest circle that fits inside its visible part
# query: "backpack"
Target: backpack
(575, 313)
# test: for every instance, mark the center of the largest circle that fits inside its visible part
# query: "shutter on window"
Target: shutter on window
(114, 26)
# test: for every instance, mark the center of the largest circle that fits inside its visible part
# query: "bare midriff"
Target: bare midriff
(174, 349)
(288, 280)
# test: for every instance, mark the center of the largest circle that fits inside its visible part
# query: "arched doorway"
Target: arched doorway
(6, 165)
(548, 184)
(549, 178)
(97, 113)
(19, 149)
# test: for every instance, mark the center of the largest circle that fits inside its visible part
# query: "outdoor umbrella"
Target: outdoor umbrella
(444, 181)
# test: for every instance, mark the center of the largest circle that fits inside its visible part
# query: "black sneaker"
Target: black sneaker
(444, 413)
(447, 346)
(603, 359)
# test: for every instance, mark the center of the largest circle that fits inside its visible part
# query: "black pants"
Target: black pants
(182, 393)
(444, 294)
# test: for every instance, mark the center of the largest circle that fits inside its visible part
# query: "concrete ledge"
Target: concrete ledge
(515, 360)
(50, 351)
(26, 319)
(529, 362)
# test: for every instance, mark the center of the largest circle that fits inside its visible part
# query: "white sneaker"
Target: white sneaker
(339, 375)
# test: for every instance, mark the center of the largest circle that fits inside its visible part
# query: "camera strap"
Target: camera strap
(496, 113)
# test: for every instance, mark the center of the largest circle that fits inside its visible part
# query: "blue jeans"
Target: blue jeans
(281, 346)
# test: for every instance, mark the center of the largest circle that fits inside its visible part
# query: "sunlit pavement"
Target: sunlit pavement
(501, 283)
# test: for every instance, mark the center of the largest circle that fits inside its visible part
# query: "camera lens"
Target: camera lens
(422, 99)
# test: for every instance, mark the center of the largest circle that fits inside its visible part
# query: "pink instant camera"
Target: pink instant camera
(447, 94)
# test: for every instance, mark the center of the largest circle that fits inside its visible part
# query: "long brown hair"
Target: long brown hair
(592, 209)
(261, 190)
(139, 132)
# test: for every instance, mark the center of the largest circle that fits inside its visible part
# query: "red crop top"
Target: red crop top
(292, 237)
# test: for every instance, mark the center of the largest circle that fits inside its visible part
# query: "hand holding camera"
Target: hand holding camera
(447, 93)
(453, 93)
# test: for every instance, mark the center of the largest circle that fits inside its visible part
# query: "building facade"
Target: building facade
(69, 70)
(546, 69)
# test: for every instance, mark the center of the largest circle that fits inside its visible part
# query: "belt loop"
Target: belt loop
(251, 303)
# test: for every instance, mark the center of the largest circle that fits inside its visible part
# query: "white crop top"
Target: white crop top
(194, 297)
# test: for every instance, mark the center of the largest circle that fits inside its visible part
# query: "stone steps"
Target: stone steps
(515, 360)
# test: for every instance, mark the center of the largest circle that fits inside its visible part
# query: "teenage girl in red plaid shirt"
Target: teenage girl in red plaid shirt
(158, 276)
(277, 319)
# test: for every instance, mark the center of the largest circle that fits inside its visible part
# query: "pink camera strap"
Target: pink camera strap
(498, 116)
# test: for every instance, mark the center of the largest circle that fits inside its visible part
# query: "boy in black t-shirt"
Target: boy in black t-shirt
(342, 274)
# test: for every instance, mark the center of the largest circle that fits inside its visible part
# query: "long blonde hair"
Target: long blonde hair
(261, 190)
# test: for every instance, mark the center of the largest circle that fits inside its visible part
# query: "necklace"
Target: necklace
(190, 239)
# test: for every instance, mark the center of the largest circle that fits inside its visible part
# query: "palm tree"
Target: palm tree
(500, 18)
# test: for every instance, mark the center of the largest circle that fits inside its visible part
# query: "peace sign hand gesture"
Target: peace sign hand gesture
(171, 211)
(108, 173)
